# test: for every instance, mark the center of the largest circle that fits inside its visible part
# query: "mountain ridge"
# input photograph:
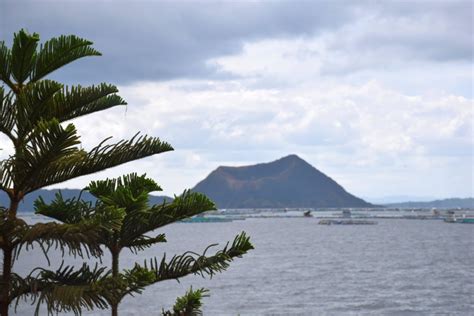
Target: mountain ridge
(286, 182)
(439, 203)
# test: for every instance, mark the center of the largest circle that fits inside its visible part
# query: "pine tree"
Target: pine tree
(33, 116)
(125, 202)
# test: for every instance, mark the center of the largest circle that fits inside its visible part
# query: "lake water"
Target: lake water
(398, 267)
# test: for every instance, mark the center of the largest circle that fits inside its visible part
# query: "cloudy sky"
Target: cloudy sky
(378, 95)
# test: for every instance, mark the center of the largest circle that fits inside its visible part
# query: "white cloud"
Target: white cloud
(372, 139)
(382, 103)
(340, 129)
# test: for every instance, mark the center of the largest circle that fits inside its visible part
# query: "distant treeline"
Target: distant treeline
(446, 203)
(27, 205)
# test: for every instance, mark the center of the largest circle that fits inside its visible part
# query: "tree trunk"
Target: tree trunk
(115, 251)
(11, 212)
(6, 280)
(7, 261)
(115, 262)
(114, 309)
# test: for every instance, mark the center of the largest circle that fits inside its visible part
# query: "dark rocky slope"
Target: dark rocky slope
(286, 182)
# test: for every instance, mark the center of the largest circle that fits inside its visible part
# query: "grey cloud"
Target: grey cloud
(146, 40)
(401, 38)
(165, 40)
(430, 30)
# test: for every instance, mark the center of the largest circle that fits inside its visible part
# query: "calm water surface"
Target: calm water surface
(398, 267)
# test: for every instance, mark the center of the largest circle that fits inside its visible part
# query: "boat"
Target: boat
(346, 213)
(452, 218)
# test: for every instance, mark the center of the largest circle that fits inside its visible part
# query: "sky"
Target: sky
(378, 95)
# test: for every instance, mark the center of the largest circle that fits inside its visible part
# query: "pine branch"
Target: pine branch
(63, 290)
(76, 211)
(6, 180)
(78, 101)
(189, 304)
(5, 64)
(60, 51)
(188, 204)
(80, 163)
(143, 242)
(7, 113)
(32, 105)
(133, 281)
(129, 192)
(77, 238)
(133, 184)
(11, 229)
(23, 55)
(69, 211)
(48, 100)
(49, 143)
(190, 263)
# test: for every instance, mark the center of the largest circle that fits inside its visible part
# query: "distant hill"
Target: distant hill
(286, 182)
(446, 203)
(27, 204)
(392, 199)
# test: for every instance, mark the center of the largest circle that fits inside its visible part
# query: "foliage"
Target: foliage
(63, 290)
(47, 150)
(35, 115)
(123, 204)
(189, 304)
